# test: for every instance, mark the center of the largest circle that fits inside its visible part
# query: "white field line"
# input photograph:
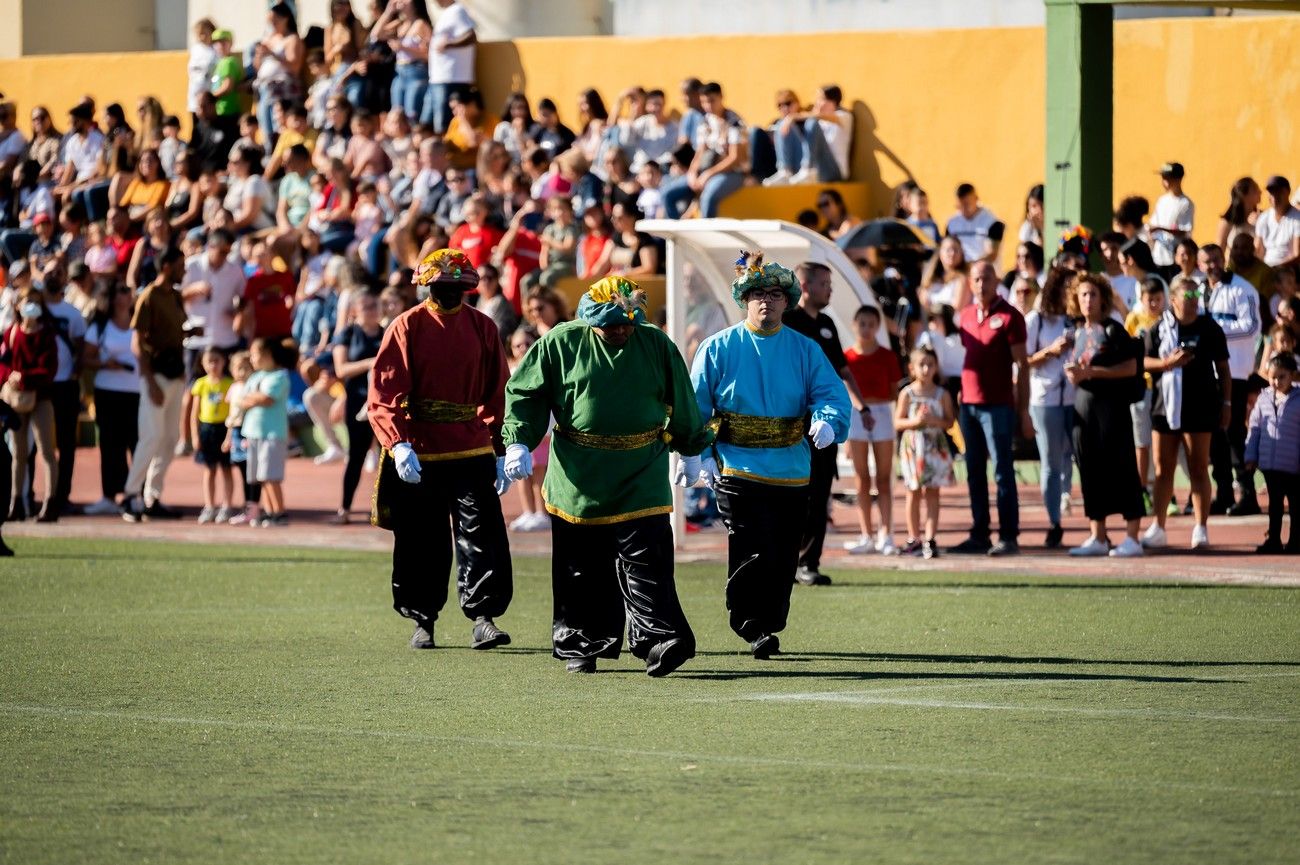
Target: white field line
(72, 715)
(874, 699)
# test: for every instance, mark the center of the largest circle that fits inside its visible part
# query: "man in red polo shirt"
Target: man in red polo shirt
(993, 334)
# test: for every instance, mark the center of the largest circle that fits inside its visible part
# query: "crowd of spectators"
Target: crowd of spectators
(220, 291)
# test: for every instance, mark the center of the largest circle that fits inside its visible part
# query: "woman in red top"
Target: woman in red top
(597, 244)
(876, 370)
(476, 237)
(29, 358)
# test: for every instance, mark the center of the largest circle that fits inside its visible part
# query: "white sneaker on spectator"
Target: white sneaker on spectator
(1094, 546)
(182, 449)
(101, 508)
(371, 463)
(885, 544)
(1128, 549)
(1066, 507)
(540, 522)
(525, 522)
(781, 178)
(223, 515)
(331, 455)
(1200, 537)
(207, 515)
(806, 175)
(1154, 538)
(861, 547)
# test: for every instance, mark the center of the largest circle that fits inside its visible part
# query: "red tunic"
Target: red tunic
(456, 358)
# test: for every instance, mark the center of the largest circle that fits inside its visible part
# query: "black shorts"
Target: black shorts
(209, 452)
(1193, 424)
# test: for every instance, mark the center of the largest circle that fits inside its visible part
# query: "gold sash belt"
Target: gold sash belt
(753, 431)
(439, 411)
(610, 442)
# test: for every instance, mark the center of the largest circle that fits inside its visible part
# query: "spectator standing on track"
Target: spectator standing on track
(993, 333)
(354, 357)
(924, 414)
(65, 392)
(1187, 357)
(266, 422)
(1273, 446)
(807, 318)
(1049, 341)
(208, 421)
(1103, 368)
(876, 371)
(1174, 216)
(107, 353)
(158, 325)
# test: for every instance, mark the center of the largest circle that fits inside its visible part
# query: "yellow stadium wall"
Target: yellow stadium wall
(1221, 95)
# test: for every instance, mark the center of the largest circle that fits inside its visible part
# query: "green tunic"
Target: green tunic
(618, 411)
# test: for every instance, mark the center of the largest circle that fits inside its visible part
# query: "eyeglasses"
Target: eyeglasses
(769, 296)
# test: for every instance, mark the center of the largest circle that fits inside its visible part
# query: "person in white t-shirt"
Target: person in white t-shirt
(203, 58)
(211, 283)
(108, 354)
(65, 392)
(1173, 217)
(1125, 287)
(978, 230)
(1277, 229)
(821, 137)
(451, 63)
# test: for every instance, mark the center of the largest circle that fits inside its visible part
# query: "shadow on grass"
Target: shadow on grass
(1117, 585)
(231, 556)
(1009, 659)
(885, 676)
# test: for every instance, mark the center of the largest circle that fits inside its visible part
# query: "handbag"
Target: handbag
(21, 401)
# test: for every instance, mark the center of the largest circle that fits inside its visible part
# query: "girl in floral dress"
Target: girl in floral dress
(923, 413)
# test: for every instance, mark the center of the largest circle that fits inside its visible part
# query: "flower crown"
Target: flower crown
(1076, 239)
(444, 264)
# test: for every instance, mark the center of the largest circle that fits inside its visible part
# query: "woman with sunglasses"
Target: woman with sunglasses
(839, 222)
(1187, 357)
(44, 147)
(107, 353)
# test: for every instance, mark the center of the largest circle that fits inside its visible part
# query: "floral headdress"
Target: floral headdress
(446, 267)
(612, 301)
(751, 273)
(1077, 240)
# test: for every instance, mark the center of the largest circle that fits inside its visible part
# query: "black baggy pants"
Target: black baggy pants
(604, 576)
(1282, 487)
(821, 478)
(454, 500)
(1228, 449)
(66, 396)
(763, 532)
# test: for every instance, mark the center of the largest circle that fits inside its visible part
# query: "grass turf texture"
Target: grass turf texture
(168, 703)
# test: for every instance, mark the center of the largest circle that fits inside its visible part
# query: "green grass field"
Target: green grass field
(168, 703)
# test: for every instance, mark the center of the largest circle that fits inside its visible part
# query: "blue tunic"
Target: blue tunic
(781, 374)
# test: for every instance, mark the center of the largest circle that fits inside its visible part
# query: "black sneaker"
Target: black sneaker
(913, 547)
(1218, 507)
(132, 509)
(17, 513)
(581, 665)
(1246, 506)
(666, 657)
(765, 647)
(423, 636)
(1004, 548)
(1270, 547)
(971, 547)
(1054, 536)
(1292, 547)
(5, 551)
(487, 635)
(274, 521)
(806, 576)
(159, 511)
(929, 549)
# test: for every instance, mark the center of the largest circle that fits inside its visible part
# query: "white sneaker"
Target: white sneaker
(207, 515)
(540, 522)
(861, 547)
(101, 508)
(1128, 549)
(1066, 507)
(521, 522)
(371, 463)
(1154, 538)
(331, 455)
(885, 546)
(781, 178)
(1094, 546)
(806, 175)
(1200, 538)
(223, 515)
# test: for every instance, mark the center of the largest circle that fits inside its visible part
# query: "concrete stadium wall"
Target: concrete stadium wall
(1220, 95)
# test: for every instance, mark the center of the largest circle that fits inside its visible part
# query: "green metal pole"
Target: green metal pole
(1080, 94)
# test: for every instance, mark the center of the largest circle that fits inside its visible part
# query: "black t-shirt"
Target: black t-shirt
(820, 330)
(1202, 392)
(360, 346)
(1105, 345)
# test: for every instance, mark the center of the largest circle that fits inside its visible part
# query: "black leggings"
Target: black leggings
(1282, 486)
(6, 474)
(360, 437)
(116, 413)
(252, 489)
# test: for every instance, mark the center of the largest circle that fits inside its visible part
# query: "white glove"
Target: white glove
(408, 464)
(502, 482)
(822, 434)
(709, 473)
(687, 471)
(518, 463)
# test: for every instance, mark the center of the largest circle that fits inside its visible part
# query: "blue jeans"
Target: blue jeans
(437, 104)
(94, 200)
(677, 194)
(14, 243)
(988, 429)
(1052, 425)
(409, 85)
(803, 147)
